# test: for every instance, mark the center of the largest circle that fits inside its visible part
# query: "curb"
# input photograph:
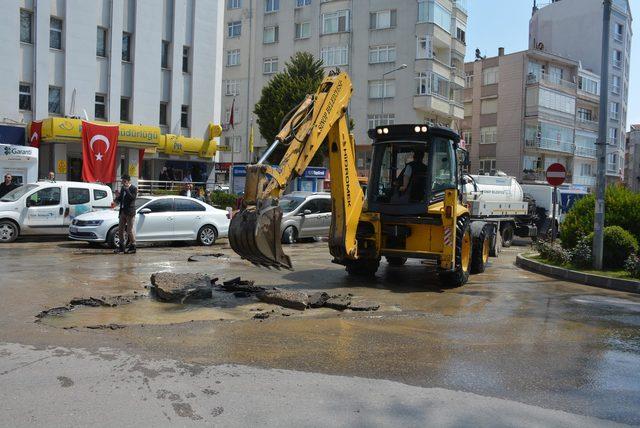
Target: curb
(599, 281)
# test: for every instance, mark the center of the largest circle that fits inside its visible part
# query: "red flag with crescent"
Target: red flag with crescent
(35, 133)
(99, 150)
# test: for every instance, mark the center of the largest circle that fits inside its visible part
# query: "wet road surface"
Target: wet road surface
(508, 334)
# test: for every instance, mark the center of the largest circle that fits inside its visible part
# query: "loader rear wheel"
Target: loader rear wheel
(395, 260)
(363, 267)
(481, 250)
(460, 275)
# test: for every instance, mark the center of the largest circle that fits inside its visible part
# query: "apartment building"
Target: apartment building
(632, 159)
(529, 109)
(366, 38)
(573, 29)
(152, 66)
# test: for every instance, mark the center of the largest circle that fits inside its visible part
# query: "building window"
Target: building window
(614, 109)
(126, 47)
(382, 89)
(618, 32)
(374, 120)
(589, 85)
(488, 135)
(234, 29)
(233, 57)
(382, 19)
(615, 84)
(301, 3)
(335, 22)
(334, 55)
(487, 165)
(100, 111)
(124, 109)
(468, 81)
(468, 109)
(271, 6)
(490, 76)
(270, 35)
(424, 47)
(164, 63)
(234, 4)
(585, 115)
(617, 58)
(231, 87)
(101, 45)
(433, 84)
(432, 11)
(234, 143)
(557, 101)
(236, 114)
(163, 120)
(467, 136)
(55, 33)
(184, 116)
(585, 170)
(461, 34)
(381, 54)
(270, 65)
(489, 106)
(26, 26)
(303, 30)
(185, 59)
(24, 96)
(55, 100)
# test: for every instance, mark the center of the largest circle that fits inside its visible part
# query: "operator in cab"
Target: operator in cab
(413, 179)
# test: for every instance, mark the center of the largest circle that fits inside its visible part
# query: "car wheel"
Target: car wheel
(290, 235)
(207, 235)
(113, 240)
(8, 231)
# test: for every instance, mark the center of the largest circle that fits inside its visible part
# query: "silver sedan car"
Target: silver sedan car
(305, 215)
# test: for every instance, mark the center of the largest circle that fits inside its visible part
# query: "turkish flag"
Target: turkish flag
(99, 149)
(35, 134)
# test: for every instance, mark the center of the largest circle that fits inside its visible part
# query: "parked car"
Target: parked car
(305, 215)
(162, 218)
(48, 208)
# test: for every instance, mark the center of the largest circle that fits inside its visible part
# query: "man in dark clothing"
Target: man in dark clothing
(7, 185)
(126, 197)
(414, 178)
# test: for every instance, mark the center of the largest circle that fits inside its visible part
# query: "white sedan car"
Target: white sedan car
(163, 218)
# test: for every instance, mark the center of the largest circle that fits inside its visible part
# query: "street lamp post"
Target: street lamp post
(384, 92)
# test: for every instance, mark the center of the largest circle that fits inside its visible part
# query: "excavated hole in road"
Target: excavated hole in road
(233, 300)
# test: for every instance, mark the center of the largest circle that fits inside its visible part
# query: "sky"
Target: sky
(505, 23)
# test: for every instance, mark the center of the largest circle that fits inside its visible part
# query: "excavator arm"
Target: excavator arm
(320, 118)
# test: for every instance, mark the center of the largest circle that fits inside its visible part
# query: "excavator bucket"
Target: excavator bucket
(255, 235)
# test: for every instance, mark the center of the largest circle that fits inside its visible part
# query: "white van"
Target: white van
(48, 208)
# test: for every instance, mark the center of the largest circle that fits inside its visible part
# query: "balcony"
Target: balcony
(550, 145)
(551, 81)
(586, 152)
(462, 5)
(591, 125)
(612, 168)
(433, 64)
(584, 180)
(458, 77)
(430, 102)
(457, 110)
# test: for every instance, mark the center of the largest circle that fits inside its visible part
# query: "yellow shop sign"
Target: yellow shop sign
(66, 129)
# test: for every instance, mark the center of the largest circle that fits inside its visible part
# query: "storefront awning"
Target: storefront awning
(61, 129)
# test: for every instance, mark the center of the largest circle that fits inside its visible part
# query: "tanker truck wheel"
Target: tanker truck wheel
(507, 235)
(480, 254)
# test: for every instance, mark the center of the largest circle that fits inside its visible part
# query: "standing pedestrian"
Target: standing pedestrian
(52, 176)
(126, 197)
(7, 185)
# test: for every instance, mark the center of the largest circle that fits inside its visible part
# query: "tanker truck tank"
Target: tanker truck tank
(492, 188)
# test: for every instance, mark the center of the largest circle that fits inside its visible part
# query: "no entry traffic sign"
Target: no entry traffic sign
(556, 174)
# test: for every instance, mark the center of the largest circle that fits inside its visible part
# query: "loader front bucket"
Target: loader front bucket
(255, 236)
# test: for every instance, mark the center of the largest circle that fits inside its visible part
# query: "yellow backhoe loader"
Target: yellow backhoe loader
(413, 207)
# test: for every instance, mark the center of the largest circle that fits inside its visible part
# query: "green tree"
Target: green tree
(301, 76)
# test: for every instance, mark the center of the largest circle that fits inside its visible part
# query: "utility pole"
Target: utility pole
(598, 223)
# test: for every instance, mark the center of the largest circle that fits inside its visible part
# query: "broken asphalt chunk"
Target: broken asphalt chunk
(287, 299)
(179, 287)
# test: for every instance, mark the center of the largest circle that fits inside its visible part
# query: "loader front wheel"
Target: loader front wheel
(460, 275)
(363, 267)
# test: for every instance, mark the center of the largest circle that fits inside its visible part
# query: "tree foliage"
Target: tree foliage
(622, 208)
(301, 76)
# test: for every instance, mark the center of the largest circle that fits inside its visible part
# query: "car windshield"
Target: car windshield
(290, 203)
(16, 194)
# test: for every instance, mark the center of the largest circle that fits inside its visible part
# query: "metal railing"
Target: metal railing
(586, 152)
(587, 122)
(153, 187)
(550, 144)
(547, 78)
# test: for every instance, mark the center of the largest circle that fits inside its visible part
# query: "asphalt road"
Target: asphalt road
(511, 348)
